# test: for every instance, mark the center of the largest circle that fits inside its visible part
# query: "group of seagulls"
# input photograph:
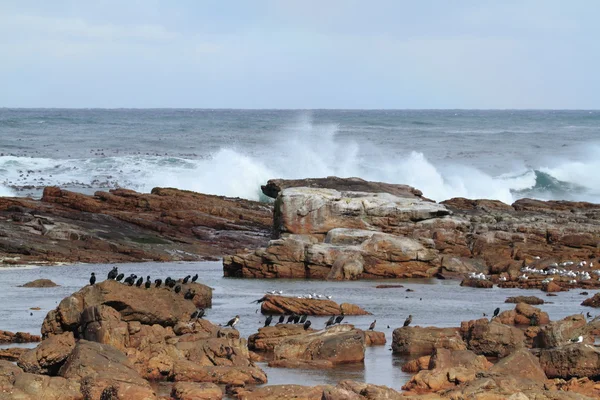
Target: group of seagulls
(314, 296)
(559, 269)
(479, 276)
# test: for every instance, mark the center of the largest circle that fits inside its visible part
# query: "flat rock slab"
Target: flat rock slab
(532, 300)
(19, 337)
(292, 305)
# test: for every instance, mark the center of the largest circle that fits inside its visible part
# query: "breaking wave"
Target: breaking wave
(308, 151)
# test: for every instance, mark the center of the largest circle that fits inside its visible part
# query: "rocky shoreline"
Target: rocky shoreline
(110, 340)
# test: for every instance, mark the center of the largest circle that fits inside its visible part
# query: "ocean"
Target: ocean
(503, 155)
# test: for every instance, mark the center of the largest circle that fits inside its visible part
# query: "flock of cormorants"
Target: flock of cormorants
(169, 283)
(199, 313)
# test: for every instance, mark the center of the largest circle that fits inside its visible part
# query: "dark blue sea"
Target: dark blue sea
(502, 155)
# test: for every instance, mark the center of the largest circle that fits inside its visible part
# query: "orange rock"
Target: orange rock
(291, 305)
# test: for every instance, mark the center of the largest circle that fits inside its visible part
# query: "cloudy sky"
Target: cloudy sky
(300, 54)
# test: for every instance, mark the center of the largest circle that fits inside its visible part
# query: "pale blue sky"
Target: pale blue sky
(300, 54)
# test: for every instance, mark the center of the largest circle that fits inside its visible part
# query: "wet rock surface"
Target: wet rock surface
(292, 305)
(40, 283)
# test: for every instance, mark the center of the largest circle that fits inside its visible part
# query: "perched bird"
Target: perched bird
(372, 326)
(233, 321)
(338, 319)
(172, 283)
(259, 300)
(186, 279)
(139, 282)
(199, 313)
(290, 319)
(167, 281)
(189, 295)
(330, 321)
(496, 312)
(177, 289)
(281, 319)
(129, 280)
(119, 277)
(588, 314)
(408, 320)
(268, 320)
(303, 319)
(148, 283)
(296, 319)
(93, 279)
(157, 282)
(307, 325)
(113, 273)
(195, 278)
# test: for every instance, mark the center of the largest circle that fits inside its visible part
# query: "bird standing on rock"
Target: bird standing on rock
(372, 326)
(330, 321)
(189, 295)
(177, 289)
(290, 319)
(281, 319)
(186, 279)
(408, 320)
(195, 278)
(233, 321)
(338, 319)
(157, 282)
(496, 312)
(139, 282)
(268, 320)
(307, 325)
(296, 319)
(93, 279)
(303, 319)
(113, 273)
(119, 277)
(199, 313)
(148, 283)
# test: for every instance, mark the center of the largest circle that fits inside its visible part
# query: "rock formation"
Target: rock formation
(125, 226)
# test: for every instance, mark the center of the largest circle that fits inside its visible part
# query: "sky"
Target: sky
(302, 54)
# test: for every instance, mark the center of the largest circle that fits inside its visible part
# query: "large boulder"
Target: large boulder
(49, 355)
(532, 300)
(571, 360)
(520, 363)
(99, 367)
(340, 344)
(166, 307)
(293, 305)
(268, 337)
(304, 210)
(189, 371)
(593, 301)
(559, 333)
(448, 369)
(491, 339)
(31, 386)
(523, 314)
(423, 340)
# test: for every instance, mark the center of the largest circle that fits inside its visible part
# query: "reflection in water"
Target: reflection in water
(441, 303)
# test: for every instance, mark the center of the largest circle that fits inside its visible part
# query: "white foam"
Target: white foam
(298, 151)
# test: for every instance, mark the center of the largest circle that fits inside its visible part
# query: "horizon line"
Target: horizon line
(297, 109)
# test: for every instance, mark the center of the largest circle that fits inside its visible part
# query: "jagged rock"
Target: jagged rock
(19, 337)
(491, 339)
(448, 369)
(125, 226)
(39, 283)
(166, 307)
(196, 391)
(12, 353)
(532, 300)
(49, 355)
(559, 333)
(292, 305)
(423, 340)
(523, 314)
(593, 301)
(571, 360)
(98, 366)
(339, 344)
